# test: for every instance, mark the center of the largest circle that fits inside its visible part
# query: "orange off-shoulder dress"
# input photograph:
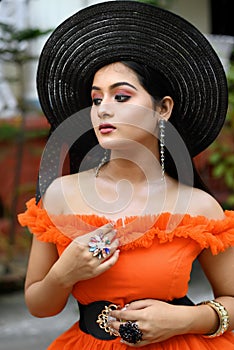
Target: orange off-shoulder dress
(156, 256)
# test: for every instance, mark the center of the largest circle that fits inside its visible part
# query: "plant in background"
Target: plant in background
(14, 51)
(222, 150)
(14, 42)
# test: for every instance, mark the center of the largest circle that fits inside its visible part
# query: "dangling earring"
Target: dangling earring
(103, 161)
(161, 125)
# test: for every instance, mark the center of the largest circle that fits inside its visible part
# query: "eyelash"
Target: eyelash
(123, 98)
(96, 101)
(118, 97)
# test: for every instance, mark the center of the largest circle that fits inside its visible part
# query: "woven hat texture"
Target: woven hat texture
(129, 30)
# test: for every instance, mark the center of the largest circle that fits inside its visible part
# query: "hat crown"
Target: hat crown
(129, 30)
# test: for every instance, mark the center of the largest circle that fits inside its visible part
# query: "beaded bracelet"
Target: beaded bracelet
(223, 317)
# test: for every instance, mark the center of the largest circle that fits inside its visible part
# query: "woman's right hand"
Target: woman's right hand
(77, 263)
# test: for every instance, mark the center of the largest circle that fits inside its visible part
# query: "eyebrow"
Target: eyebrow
(113, 86)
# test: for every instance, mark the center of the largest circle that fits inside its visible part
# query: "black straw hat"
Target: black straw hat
(129, 30)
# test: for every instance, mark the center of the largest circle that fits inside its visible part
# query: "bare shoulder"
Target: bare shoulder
(63, 196)
(202, 203)
(53, 198)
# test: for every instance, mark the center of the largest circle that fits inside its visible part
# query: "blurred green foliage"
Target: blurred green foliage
(10, 133)
(14, 42)
(222, 150)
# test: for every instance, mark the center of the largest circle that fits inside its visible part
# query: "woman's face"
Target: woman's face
(122, 110)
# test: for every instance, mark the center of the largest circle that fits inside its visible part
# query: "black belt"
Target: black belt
(93, 317)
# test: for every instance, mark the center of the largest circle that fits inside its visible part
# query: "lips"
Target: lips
(106, 128)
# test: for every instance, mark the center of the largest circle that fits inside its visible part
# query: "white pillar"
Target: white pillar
(45, 14)
(223, 45)
(15, 16)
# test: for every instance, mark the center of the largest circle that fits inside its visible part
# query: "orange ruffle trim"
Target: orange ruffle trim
(135, 231)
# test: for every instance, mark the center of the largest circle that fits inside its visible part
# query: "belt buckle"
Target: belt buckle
(104, 317)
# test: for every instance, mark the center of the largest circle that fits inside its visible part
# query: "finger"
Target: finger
(107, 232)
(103, 229)
(107, 264)
(139, 304)
(137, 345)
(140, 342)
(113, 246)
(114, 324)
(128, 315)
(100, 232)
(110, 249)
(110, 236)
(101, 247)
(106, 238)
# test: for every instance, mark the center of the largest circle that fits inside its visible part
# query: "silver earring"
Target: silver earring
(161, 125)
(102, 162)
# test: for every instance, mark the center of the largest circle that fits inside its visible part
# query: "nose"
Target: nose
(105, 110)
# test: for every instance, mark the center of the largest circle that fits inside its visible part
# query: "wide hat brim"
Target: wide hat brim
(129, 30)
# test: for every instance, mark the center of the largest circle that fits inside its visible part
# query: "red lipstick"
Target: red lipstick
(106, 128)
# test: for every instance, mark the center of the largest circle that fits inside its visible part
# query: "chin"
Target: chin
(114, 144)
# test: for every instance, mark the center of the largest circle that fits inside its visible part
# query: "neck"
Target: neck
(137, 167)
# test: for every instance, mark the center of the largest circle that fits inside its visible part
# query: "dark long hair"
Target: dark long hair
(86, 153)
(158, 87)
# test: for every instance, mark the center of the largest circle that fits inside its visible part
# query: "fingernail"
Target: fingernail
(125, 307)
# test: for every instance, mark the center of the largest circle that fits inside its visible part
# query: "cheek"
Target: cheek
(140, 117)
(94, 117)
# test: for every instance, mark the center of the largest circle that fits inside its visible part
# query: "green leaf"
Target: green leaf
(219, 170)
(230, 159)
(230, 201)
(229, 179)
(215, 158)
(29, 34)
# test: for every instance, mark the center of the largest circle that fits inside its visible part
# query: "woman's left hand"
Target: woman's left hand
(156, 319)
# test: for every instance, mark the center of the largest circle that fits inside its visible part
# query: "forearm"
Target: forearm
(47, 297)
(50, 278)
(202, 319)
(228, 303)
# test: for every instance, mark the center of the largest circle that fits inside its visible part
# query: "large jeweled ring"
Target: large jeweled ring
(130, 332)
(98, 246)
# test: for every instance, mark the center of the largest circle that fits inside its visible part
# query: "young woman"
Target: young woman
(121, 236)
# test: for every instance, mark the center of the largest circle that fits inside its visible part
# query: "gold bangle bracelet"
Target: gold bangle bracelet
(223, 317)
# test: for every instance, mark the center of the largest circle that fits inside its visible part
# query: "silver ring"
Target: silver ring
(98, 246)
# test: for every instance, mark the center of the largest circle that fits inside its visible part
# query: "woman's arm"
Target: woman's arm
(219, 271)
(202, 319)
(50, 278)
(44, 295)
